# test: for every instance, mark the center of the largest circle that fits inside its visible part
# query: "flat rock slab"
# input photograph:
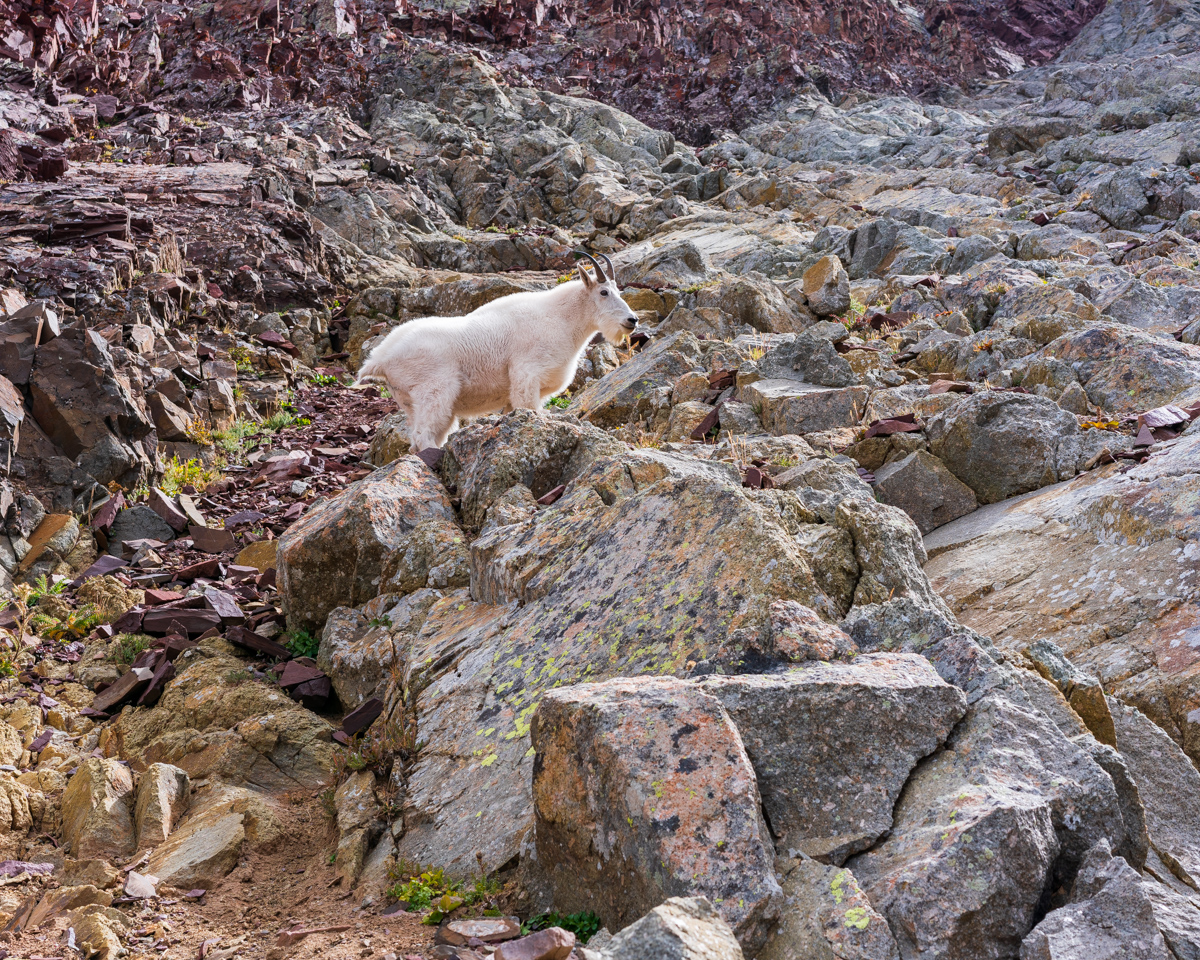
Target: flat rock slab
(642, 791)
(790, 406)
(833, 744)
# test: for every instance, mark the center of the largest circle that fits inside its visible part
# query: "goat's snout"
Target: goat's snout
(629, 323)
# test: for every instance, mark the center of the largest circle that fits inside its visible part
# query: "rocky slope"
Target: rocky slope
(848, 611)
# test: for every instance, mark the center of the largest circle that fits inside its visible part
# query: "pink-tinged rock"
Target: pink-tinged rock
(643, 791)
(552, 944)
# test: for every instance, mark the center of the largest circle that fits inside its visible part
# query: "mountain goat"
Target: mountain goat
(512, 353)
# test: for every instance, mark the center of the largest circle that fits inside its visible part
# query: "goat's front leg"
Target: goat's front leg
(524, 393)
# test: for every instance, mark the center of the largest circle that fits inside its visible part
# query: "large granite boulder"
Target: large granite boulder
(335, 554)
(642, 791)
(833, 744)
(1003, 444)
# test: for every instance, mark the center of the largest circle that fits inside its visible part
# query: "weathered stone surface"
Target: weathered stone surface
(833, 744)
(682, 928)
(788, 406)
(1169, 787)
(826, 916)
(608, 582)
(162, 799)
(969, 853)
(334, 555)
(1003, 444)
(1056, 565)
(138, 522)
(204, 849)
(925, 489)
(97, 813)
(629, 393)
(827, 287)
(1110, 915)
(553, 943)
(539, 450)
(357, 653)
(655, 769)
(798, 634)
(211, 721)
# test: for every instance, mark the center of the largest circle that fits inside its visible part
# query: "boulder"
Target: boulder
(162, 799)
(359, 646)
(682, 928)
(1003, 444)
(334, 555)
(790, 406)
(650, 562)
(628, 393)
(642, 791)
(170, 421)
(97, 813)
(78, 399)
(827, 287)
(983, 827)
(204, 849)
(1169, 787)
(826, 916)
(833, 744)
(553, 943)
(138, 522)
(537, 449)
(1110, 915)
(922, 486)
(797, 634)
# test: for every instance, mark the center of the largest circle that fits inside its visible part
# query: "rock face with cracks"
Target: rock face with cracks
(642, 791)
(833, 744)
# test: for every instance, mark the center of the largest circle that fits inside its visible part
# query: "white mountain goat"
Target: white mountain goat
(513, 353)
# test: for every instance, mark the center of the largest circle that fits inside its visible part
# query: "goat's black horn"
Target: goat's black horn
(595, 263)
(612, 271)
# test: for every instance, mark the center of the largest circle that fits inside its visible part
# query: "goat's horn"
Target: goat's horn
(595, 263)
(612, 271)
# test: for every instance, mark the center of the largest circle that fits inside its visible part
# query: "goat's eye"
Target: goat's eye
(604, 293)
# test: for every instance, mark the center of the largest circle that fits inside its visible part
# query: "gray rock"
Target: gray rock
(538, 450)
(137, 523)
(642, 790)
(335, 554)
(737, 418)
(683, 928)
(1169, 787)
(922, 487)
(626, 395)
(826, 916)
(833, 744)
(827, 287)
(1004, 444)
(790, 406)
(1110, 915)
(1177, 917)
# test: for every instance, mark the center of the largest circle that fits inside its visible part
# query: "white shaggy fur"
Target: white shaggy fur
(515, 352)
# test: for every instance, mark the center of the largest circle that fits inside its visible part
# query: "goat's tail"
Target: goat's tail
(370, 372)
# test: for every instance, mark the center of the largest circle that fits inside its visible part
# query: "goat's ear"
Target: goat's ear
(588, 280)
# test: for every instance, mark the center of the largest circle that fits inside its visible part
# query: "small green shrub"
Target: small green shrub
(129, 647)
(584, 925)
(560, 403)
(302, 643)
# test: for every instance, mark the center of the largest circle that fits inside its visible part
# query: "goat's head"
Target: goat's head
(613, 317)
